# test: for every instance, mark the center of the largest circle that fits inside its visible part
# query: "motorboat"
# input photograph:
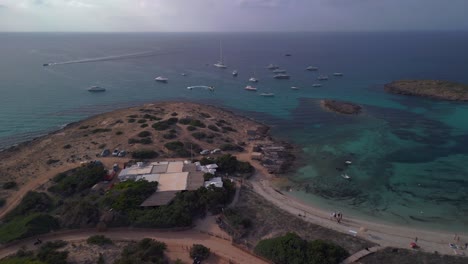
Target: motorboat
(346, 176)
(294, 88)
(281, 76)
(272, 67)
(235, 73)
(287, 55)
(348, 162)
(220, 64)
(183, 74)
(322, 78)
(312, 68)
(338, 74)
(267, 94)
(250, 88)
(96, 89)
(279, 71)
(161, 79)
(253, 79)
(317, 85)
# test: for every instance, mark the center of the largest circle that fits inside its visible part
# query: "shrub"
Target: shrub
(208, 176)
(144, 134)
(174, 114)
(228, 129)
(32, 202)
(26, 226)
(83, 127)
(199, 252)
(213, 127)
(52, 161)
(48, 253)
(197, 123)
(133, 116)
(205, 115)
(141, 121)
(174, 145)
(104, 145)
(229, 164)
(144, 125)
(99, 240)
(100, 130)
(9, 185)
(231, 147)
(78, 213)
(151, 117)
(185, 121)
(199, 135)
(169, 135)
(145, 251)
(191, 128)
(118, 133)
(67, 146)
(144, 141)
(144, 154)
(131, 120)
(161, 125)
(2, 202)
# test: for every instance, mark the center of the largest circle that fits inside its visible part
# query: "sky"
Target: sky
(231, 15)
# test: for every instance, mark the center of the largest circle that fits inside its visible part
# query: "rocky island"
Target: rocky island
(437, 89)
(341, 107)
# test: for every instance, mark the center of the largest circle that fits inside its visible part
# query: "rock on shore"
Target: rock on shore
(341, 107)
(443, 90)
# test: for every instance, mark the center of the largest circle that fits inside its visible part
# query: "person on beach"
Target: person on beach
(416, 239)
(333, 216)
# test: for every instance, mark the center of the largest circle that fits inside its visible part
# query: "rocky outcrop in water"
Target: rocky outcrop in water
(341, 107)
(442, 90)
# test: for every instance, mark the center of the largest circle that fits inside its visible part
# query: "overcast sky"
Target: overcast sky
(232, 15)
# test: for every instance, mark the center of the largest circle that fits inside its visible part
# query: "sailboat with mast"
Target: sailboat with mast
(220, 64)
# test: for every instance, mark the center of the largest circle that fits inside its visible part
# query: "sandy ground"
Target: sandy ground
(178, 244)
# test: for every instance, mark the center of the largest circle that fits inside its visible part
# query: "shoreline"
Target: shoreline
(395, 235)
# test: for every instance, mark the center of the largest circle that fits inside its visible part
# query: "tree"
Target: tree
(199, 252)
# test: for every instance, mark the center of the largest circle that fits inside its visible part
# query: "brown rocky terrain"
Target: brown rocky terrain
(341, 107)
(437, 89)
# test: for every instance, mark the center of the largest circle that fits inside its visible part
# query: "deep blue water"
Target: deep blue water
(409, 154)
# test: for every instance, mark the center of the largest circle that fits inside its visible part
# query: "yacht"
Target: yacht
(279, 71)
(346, 176)
(338, 74)
(312, 68)
(161, 79)
(96, 89)
(317, 85)
(322, 77)
(272, 67)
(253, 79)
(250, 88)
(281, 76)
(235, 73)
(294, 88)
(267, 94)
(183, 74)
(220, 64)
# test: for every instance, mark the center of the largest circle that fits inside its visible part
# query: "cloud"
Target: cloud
(260, 3)
(79, 4)
(3, 7)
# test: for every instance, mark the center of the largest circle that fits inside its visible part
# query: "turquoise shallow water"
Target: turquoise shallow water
(409, 154)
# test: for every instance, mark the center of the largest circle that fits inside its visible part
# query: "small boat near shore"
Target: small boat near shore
(312, 68)
(95, 89)
(346, 176)
(250, 88)
(253, 79)
(317, 85)
(267, 94)
(294, 88)
(279, 71)
(272, 67)
(235, 73)
(161, 79)
(338, 74)
(322, 78)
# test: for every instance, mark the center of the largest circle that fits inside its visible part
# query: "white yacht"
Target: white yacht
(250, 88)
(253, 79)
(267, 94)
(322, 77)
(235, 73)
(294, 88)
(317, 85)
(161, 79)
(346, 176)
(338, 74)
(220, 64)
(272, 67)
(96, 89)
(279, 71)
(312, 68)
(281, 76)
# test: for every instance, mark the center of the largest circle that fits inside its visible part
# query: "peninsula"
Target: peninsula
(437, 89)
(341, 107)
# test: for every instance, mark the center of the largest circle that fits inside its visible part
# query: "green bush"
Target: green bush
(185, 121)
(174, 145)
(131, 120)
(32, 202)
(205, 115)
(197, 123)
(146, 251)
(79, 179)
(174, 114)
(128, 195)
(229, 164)
(191, 128)
(2, 202)
(172, 120)
(48, 253)
(83, 127)
(199, 252)
(144, 134)
(145, 154)
(27, 226)
(291, 248)
(236, 219)
(228, 129)
(141, 121)
(144, 125)
(151, 117)
(78, 213)
(214, 128)
(67, 146)
(170, 136)
(99, 240)
(144, 141)
(9, 185)
(161, 125)
(100, 130)
(199, 135)
(231, 147)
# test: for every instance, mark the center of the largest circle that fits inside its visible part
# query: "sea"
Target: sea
(409, 155)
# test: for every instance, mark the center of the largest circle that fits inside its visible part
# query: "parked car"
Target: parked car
(122, 153)
(105, 153)
(115, 153)
(205, 152)
(214, 151)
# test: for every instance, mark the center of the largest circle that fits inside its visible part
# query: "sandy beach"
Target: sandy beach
(33, 163)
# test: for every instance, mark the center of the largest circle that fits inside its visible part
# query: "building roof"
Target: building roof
(172, 181)
(216, 181)
(160, 198)
(176, 166)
